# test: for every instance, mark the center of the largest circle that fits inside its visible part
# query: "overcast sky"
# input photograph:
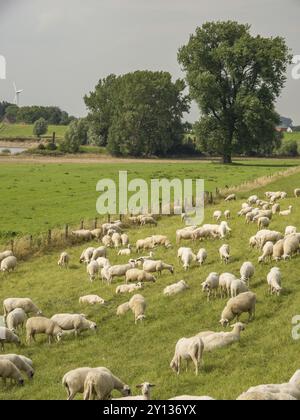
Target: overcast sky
(56, 50)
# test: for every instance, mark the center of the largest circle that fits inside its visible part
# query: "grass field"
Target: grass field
(293, 136)
(266, 353)
(25, 131)
(38, 197)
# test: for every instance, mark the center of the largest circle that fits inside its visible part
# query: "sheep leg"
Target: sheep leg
(195, 361)
(178, 365)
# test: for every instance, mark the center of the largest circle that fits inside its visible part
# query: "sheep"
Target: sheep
(26, 360)
(7, 336)
(249, 217)
(217, 215)
(265, 396)
(100, 252)
(106, 241)
(76, 322)
(104, 273)
(86, 255)
(92, 270)
(20, 363)
(227, 214)
(263, 222)
(41, 325)
(100, 383)
(119, 270)
(188, 349)
(103, 262)
(224, 252)
(274, 281)
(225, 281)
(231, 197)
(126, 251)
(145, 390)
(291, 246)
(207, 231)
(264, 236)
(8, 264)
(151, 266)
(148, 220)
(268, 250)
(201, 256)
(187, 256)
(276, 208)
(161, 240)
(8, 370)
(64, 260)
(217, 340)
(116, 240)
(82, 234)
(96, 233)
(144, 244)
(247, 272)
(5, 254)
(297, 193)
(245, 302)
(245, 210)
(175, 288)
(129, 288)
(211, 284)
(24, 303)
(286, 212)
(192, 398)
(278, 250)
(115, 226)
(184, 234)
(91, 300)
(15, 319)
(223, 230)
(290, 230)
(237, 287)
(123, 308)
(138, 306)
(136, 275)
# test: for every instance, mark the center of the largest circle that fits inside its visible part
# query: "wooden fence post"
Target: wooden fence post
(211, 198)
(30, 241)
(81, 224)
(12, 245)
(49, 236)
(108, 218)
(95, 223)
(66, 231)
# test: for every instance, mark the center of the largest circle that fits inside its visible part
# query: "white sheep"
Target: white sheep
(100, 252)
(15, 319)
(41, 325)
(125, 239)
(291, 246)
(231, 197)
(297, 192)
(175, 288)
(126, 251)
(145, 388)
(290, 230)
(201, 256)
(237, 287)
(227, 214)
(138, 306)
(211, 284)
(8, 370)
(119, 270)
(64, 260)
(82, 234)
(103, 262)
(217, 340)
(92, 270)
(263, 222)
(91, 300)
(143, 244)
(8, 264)
(148, 220)
(100, 383)
(217, 215)
(188, 349)
(247, 271)
(225, 281)
(265, 396)
(20, 363)
(96, 233)
(224, 252)
(5, 254)
(192, 398)
(274, 281)
(86, 255)
(276, 208)
(116, 240)
(26, 304)
(286, 212)
(123, 308)
(76, 322)
(278, 250)
(267, 254)
(245, 302)
(157, 266)
(7, 336)
(161, 240)
(187, 256)
(128, 288)
(136, 275)
(106, 241)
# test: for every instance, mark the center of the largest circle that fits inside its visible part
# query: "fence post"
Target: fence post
(66, 231)
(49, 236)
(12, 245)
(95, 223)
(81, 224)
(211, 198)
(30, 241)
(120, 217)
(108, 218)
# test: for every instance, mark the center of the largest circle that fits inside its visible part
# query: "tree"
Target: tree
(3, 107)
(40, 127)
(235, 79)
(75, 136)
(11, 113)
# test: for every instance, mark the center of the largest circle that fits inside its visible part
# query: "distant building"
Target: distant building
(285, 125)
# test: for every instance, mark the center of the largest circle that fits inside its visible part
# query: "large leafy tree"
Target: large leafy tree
(139, 113)
(235, 78)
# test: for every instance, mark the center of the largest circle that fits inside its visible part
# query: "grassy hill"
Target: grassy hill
(25, 131)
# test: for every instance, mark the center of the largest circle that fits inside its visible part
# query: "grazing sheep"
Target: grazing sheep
(41, 325)
(5, 254)
(245, 210)
(286, 212)
(217, 215)
(64, 260)
(148, 220)
(126, 251)
(297, 192)
(8, 264)
(263, 222)
(225, 281)
(7, 336)
(175, 288)
(91, 300)
(15, 319)
(125, 239)
(20, 363)
(103, 262)
(274, 281)
(223, 230)
(138, 306)
(123, 308)
(8, 370)
(249, 217)
(268, 250)
(151, 266)
(82, 234)
(188, 349)
(205, 232)
(116, 240)
(76, 322)
(96, 233)
(143, 244)
(115, 226)
(278, 250)
(231, 197)
(145, 390)
(290, 230)
(119, 270)
(253, 199)
(201, 256)
(291, 246)
(247, 272)
(185, 234)
(276, 208)
(136, 275)
(100, 383)
(105, 274)
(128, 288)
(245, 302)
(264, 236)
(92, 270)
(237, 287)
(24, 303)
(187, 256)
(227, 214)
(86, 255)
(217, 340)
(106, 241)
(100, 252)
(224, 252)
(211, 284)
(161, 240)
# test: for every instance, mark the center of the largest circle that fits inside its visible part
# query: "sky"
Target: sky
(57, 50)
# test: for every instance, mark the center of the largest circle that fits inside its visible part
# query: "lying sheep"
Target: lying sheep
(136, 275)
(192, 398)
(91, 300)
(123, 308)
(265, 396)
(268, 250)
(5, 254)
(100, 383)
(8, 264)
(41, 325)
(286, 212)
(92, 270)
(138, 306)
(188, 349)
(76, 322)
(20, 363)
(145, 388)
(217, 340)
(157, 266)
(245, 302)
(247, 272)
(16, 319)
(175, 288)
(201, 256)
(64, 260)
(7, 336)
(24, 303)
(86, 255)
(274, 281)
(211, 284)
(224, 252)
(9, 371)
(237, 287)
(128, 288)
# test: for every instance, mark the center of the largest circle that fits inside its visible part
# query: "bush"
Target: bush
(40, 127)
(51, 146)
(76, 135)
(289, 148)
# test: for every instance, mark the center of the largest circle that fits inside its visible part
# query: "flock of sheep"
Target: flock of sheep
(99, 383)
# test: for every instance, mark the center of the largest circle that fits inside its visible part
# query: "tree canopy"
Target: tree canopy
(40, 127)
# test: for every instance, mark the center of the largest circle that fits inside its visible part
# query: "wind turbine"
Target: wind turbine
(17, 94)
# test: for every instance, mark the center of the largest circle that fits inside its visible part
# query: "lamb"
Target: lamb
(129, 288)
(201, 256)
(274, 281)
(225, 281)
(9, 371)
(136, 275)
(144, 244)
(211, 285)
(297, 193)
(231, 197)
(286, 212)
(86, 255)
(8, 264)
(76, 322)
(106, 241)
(100, 383)
(224, 252)
(263, 222)
(237, 287)
(148, 220)
(64, 260)
(5, 254)
(119, 270)
(175, 288)
(92, 270)
(188, 349)
(82, 234)
(247, 271)
(126, 251)
(278, 250)
(291, 246)
(245, 302)
(24, 303)
(138, 306)
(123, 308)
(217, 340)
(187, 256)
(151, 266)
(217, 215)
(116, 240)
(96, 233)
(15, 319)
(125, 239)
(41, 325)
(20, 363)
(100, 252)
(7, 336)
(290, 230)
(91, 300)
(145, 390)
(268, 250)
